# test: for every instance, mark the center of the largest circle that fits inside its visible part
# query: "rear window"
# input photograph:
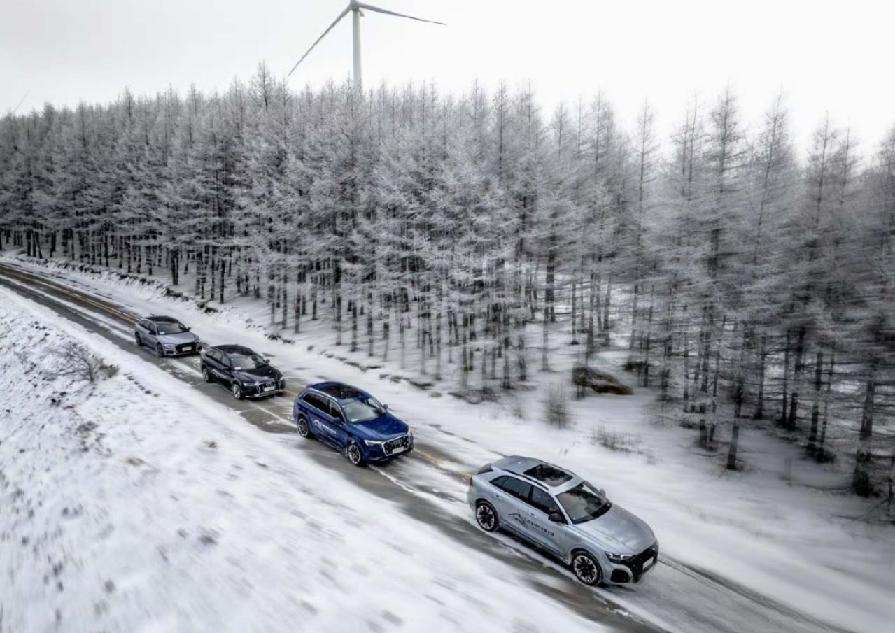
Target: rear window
(549, 474)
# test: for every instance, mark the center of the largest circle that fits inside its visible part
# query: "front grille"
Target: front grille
(635, 563)
(393, 445)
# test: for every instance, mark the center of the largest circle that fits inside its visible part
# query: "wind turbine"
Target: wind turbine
(355, 8)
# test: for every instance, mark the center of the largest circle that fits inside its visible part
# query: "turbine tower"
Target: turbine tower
(355, 8)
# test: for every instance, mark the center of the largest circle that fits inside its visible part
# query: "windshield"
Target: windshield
(171, 327)
(362, 410)
(247, 361)
(583, 503)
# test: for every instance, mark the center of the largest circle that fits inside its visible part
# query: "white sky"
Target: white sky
(834, 56)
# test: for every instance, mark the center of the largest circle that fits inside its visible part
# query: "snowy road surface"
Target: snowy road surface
(428, 488)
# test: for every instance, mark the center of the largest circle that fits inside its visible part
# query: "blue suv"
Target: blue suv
(352, 421)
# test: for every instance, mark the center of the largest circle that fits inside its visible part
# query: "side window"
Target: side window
(315, 401)
(151, 327)
(215, 355)
(335, 411)
(514, 487)
(543, 501)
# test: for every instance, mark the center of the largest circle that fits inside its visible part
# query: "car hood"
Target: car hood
(618, 531)
(178, 339)
(268, 371)
(382, 428)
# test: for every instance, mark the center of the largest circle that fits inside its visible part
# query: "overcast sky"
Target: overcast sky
(826, 56)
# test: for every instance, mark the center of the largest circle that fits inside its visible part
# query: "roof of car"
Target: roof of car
(536, 470)
(338, 390)
(161, 317)
(233, 349)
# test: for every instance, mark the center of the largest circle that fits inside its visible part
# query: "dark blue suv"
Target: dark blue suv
(352, 421)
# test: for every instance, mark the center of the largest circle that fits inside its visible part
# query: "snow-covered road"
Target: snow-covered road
(424, 494)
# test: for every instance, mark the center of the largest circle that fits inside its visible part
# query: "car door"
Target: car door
(151, 333)
(545, 532)
(512, 496)
(317, 408)
(226, 368)
(213, 362)
(338, 426)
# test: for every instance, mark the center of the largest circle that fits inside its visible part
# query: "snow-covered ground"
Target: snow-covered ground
(793, 539)
(138, 505)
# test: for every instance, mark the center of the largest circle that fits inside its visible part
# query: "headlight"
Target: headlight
(373, 443)
(618, 558)
(168, 345)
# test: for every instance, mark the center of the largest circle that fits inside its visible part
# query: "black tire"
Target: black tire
(158, 350)
(486, 516)
(586, 569)
(236, 390)
(206, 375)
(304, 429)
(137, 339)
(354, 454)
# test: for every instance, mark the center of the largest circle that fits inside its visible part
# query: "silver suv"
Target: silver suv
(166, 336)
(564, 515)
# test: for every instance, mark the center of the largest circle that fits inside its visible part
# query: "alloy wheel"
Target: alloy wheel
(236, 390)
(303, 428)
(585, 569)
(486, 516)
(354, 454)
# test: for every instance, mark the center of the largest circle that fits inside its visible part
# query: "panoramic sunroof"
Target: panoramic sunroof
(550, 475)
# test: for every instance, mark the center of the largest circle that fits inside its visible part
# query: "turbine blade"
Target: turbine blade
(370, 7)
(317, 41)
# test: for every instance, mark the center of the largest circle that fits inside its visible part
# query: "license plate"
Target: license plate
(649, 563)
(187, 348)
(268, 388)
(400, 449)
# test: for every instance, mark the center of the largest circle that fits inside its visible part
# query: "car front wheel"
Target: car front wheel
(486, 516)
(586, 568)
(303, 429)
(236, 390)
(158, 350)
(206, 375)
(137, 339)
(354, 454)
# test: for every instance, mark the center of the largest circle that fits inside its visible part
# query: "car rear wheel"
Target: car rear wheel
(486, 516)
(303, 429)
(206, 375)
(586, 568)
(354, 454)
(236, 390)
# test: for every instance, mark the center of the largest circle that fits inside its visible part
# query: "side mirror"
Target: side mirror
(385, 406)
(556, 517)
